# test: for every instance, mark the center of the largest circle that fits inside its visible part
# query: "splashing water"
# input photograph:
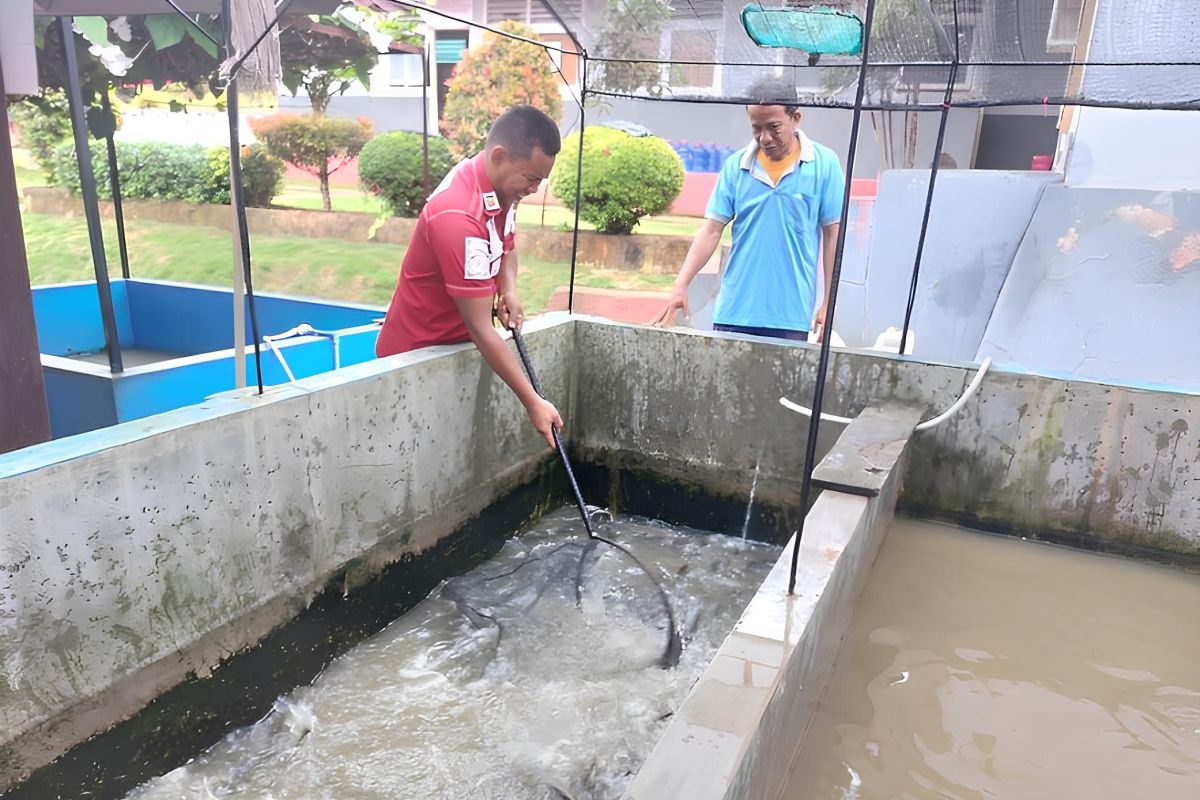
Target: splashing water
(499, 685)
(750, 502)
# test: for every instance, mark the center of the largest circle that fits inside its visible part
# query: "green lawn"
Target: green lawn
(363, 272)
(306, 193)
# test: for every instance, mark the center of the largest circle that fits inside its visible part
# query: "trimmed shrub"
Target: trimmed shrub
(261, 175)
(625, 177)
(149, 170)
(392, 166)
(164, 171)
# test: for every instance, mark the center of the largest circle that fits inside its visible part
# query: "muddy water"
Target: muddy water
(502, 683)
(986, 667)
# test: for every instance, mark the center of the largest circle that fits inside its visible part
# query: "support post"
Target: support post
(578, 179)
(241, 234)
(810, 451)
(87, 191)
(24, 418)
(114, 181)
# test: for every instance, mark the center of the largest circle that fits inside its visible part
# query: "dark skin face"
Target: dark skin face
(516, 178)
(774, 130)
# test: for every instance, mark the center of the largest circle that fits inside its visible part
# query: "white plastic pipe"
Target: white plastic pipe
(799, 409)
(270, 340)
(304, 329)
(924, 426)
(960, 402)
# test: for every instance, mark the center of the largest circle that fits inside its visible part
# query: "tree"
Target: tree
(500, 73)
(122, 53)
(130, 51)
(325, 55)
(318, 145)
(903, 31)
(631, 29)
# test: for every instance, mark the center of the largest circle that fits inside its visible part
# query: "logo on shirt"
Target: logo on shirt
(482, 261)
(491, 202)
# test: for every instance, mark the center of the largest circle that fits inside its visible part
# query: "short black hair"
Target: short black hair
(522, 128)
(774, 91)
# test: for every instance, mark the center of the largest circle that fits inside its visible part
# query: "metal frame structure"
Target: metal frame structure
(951, 59)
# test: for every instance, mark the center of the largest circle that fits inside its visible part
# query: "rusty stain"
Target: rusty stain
(1066, 243)
(1186, 253)
(1153, 222)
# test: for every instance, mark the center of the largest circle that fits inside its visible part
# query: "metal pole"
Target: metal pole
(237, 196)
(425, 112)
(578, 180)
(933, 173)
(114, 181)
(87, 189)
(810, 452)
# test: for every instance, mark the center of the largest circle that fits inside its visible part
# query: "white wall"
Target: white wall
(1117, 148)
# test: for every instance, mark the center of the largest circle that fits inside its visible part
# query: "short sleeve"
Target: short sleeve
(720, 205)
(833, 190)
(464, 253)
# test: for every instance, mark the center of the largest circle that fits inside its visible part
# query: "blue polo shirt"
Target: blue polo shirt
(771, 278)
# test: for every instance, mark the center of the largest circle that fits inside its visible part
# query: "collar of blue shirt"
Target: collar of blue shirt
(751, 165)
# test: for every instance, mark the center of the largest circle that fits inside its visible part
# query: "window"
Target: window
(405, 69)
(531, 12)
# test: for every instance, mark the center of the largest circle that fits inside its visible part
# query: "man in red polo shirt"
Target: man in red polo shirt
(462, 263)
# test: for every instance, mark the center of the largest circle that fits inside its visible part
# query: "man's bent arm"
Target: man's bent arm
(708, 238)
(829, 236)
(477, 314)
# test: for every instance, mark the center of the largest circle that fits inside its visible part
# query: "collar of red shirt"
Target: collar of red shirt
(487, 194)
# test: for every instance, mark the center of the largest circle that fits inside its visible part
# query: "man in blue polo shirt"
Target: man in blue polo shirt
(783, 194)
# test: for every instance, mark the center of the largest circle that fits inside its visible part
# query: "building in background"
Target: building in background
(710, 31)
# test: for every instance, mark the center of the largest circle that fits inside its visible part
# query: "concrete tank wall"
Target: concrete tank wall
(1058, 459)
(135, 555)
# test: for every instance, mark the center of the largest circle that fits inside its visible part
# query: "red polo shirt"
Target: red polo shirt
(460, 237)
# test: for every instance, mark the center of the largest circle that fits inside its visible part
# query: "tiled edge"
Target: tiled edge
(739, 729)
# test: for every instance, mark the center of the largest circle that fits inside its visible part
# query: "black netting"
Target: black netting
(1134, 52)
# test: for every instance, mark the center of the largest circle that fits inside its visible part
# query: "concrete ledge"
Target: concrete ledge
(867, 450)
(742, 724)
